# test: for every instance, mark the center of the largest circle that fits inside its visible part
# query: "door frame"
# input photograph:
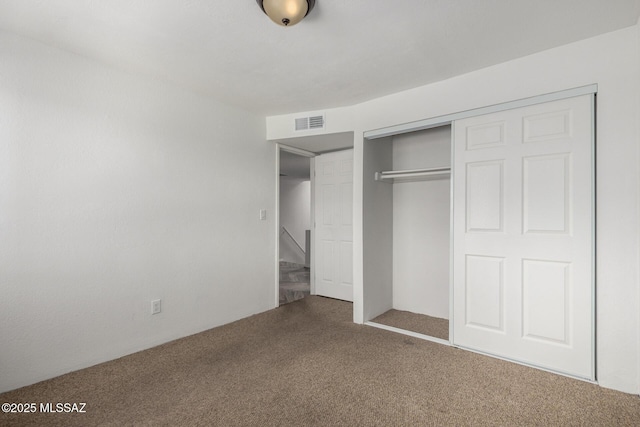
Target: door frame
(282, 147)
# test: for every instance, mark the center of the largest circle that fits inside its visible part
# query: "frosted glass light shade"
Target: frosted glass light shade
(286, 12)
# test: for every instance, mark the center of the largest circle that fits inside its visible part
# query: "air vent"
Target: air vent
(310, 123)
(316, 122)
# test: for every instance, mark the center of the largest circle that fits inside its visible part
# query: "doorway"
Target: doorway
(296, 164)
(294, 235)
(410, 210)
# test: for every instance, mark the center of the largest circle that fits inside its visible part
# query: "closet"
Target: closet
(415, 178)
(508, 254)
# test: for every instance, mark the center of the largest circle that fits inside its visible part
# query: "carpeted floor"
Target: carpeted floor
(306, 364)
(420, 323)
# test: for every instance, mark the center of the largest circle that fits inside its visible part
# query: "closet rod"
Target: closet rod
(380, 176)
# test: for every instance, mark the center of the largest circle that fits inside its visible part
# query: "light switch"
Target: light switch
(263, 214)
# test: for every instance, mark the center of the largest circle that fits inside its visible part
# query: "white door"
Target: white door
(334, 225)
(523, 235)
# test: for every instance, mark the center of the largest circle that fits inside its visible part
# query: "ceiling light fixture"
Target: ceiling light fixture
(286, 12)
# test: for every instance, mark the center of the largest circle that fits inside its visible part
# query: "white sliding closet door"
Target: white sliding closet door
(523, 235)
(334, 225)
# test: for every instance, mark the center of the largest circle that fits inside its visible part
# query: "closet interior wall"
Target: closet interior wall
(377, 229)
(421, 223)
(407, 225)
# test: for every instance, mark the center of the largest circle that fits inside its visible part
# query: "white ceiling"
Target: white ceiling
(343, 53)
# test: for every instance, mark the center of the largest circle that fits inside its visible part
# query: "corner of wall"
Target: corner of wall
(638, 209)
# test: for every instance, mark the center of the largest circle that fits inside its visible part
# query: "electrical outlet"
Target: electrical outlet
(156, 306)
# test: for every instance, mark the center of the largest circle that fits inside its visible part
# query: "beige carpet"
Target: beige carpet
(420, 323)
(307, 364)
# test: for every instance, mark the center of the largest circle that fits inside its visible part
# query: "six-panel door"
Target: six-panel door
(523, 235)
(334, 225)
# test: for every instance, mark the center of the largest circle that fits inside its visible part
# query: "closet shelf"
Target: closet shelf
(413, 174)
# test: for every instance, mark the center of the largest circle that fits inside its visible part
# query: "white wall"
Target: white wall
(611, 61)
(377, 229)
(295, 215)
(421, 224)
(638, 201)
(114, 191)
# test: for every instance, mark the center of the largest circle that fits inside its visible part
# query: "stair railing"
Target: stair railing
(283, 230)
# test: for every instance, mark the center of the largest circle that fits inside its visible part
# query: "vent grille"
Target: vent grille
(309, 123)
(316, 122)
(302, 123)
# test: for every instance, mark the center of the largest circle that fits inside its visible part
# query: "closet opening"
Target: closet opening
(407, 212)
